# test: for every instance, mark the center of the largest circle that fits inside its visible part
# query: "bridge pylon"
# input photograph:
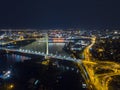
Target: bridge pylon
(47, 49)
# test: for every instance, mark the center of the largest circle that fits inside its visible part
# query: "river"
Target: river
(54, 48)
(61, 78)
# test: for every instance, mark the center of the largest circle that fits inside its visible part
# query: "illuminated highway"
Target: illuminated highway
(97, 73)
(100, 72)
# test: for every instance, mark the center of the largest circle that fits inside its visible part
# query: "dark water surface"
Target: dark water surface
(28, 73)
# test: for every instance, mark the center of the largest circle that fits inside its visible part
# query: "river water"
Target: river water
(54, 48)
(67, 79)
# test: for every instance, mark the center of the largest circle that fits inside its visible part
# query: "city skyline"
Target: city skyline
(87, 14)
(59, 60)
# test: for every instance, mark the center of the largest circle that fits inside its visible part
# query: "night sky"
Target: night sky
(37, 14)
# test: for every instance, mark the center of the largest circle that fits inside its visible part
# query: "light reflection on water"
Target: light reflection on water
(9, 59)
(57, 48)
(15, 58)
(54, 48)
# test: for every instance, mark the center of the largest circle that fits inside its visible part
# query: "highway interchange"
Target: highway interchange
(100, 73)
(99, 81)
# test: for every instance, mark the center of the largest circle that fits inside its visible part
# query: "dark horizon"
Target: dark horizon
(38, 14)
